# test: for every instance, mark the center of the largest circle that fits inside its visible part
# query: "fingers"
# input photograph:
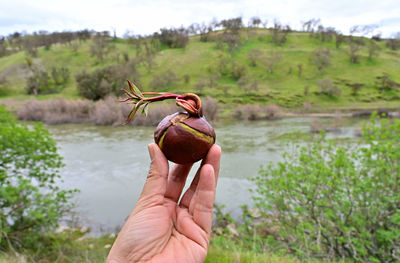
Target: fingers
(213, 158)
(203, 199)
(156, 182)
(176, 181)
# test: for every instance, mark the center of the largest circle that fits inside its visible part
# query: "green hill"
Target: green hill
(208, 69)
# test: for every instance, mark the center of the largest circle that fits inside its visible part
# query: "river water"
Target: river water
(109, 164)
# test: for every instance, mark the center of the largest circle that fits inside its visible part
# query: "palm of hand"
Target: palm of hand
(161, 230)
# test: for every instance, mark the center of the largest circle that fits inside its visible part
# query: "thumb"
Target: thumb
(156, 183)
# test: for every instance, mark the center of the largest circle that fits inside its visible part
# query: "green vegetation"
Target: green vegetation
(334, 199)
(30, 199)
(327, 200)
(71, 246)
(261, 66)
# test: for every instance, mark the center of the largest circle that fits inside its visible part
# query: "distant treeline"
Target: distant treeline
(179, 37)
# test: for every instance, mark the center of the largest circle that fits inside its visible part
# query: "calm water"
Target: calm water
(109, 164)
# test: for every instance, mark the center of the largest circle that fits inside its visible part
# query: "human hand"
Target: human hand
(163, 229)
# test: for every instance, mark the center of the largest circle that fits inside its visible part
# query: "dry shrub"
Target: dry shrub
(257, 112)
(272, 111)
(107, 112)
(248, 112)
(307, 106)
(32, 110)
(103, 112)
(210, 108)
(56, 111)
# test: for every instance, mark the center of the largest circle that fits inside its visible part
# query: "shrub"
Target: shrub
(321, 58)
(237, 70)
(60, 75)
(174, 38)
(38, 83)
(31, 200)
(394, 42)
(386, 83)
(101, 82)
(254, 56)
(56, 111)
(163, 80)
(107, 111)
(330, 199)
(248, 112)
(210, 108)
(248, 84)
(4, 89)
(272, 111)
(328, 88)
(89, 85)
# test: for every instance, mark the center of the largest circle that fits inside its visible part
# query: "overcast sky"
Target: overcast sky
(146, 17)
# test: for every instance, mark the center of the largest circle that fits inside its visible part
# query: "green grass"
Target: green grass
(68, 248)
(284, 86)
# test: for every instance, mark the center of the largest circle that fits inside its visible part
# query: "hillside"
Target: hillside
(209, 69)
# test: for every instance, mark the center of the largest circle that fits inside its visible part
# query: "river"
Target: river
(109, 164)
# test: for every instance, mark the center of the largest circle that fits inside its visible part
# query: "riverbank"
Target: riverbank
(110, 112)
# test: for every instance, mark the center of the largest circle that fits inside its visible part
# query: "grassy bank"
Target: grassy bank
(71, 247)
(207, 68)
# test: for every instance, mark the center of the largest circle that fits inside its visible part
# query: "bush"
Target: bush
(257, 112)
(4, 89)
(163, 80)
(332, 199)
(237, 70)
(210, 108)
(386, 83)
(328, 88)
(107, 111)
(30, 199)
(101, 82)
(174, 38)
(89, 85)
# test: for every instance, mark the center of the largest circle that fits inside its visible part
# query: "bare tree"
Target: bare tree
(326, 33)
(339, 39)
(373, 49)
(255, 21)
(327, 87)
(354, 49)
(394, 42)
(265, 23)
(272, 59)
(311, 25)
(3, 46)
(231, 35)
(149, 56)
(254, 56)
(248, 84)
(279, 33)
(321, 58)
(364, 30)
(101, 46)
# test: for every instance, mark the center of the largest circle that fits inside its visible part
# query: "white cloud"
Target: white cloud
(146, 17)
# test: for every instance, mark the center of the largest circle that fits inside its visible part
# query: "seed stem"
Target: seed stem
(137, 98)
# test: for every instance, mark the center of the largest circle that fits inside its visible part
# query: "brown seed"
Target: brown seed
(183, 138)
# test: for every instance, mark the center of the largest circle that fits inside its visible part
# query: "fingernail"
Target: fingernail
(151, 151)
